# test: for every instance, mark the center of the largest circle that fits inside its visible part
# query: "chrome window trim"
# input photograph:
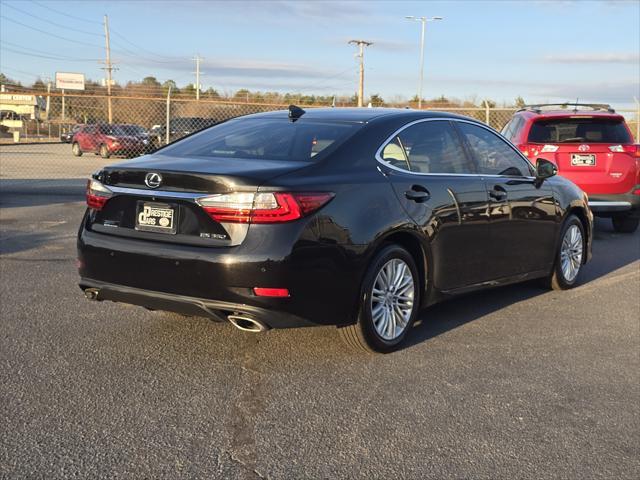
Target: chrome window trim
(156, 193)
(421, 120)
(602, 203)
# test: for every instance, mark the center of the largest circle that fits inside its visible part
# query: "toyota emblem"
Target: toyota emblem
(583, 148)
(153, 180)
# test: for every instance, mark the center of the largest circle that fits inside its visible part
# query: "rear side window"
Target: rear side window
(272, 139)
(427, 147)
(512, 128)
(579, 130)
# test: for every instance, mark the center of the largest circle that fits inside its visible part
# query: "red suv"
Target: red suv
(593, 147)
(108, 140)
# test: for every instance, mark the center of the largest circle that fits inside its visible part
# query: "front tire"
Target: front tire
(104, 151)
(625, 224)
(389, 302)
(570, 255)
(76, 150)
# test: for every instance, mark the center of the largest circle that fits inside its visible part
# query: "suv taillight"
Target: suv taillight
(262, 207)
(97, 194)
(633, 150)
(532, 151)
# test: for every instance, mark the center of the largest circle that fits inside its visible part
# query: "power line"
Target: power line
(64, 14)
(115, 32)
(52, 23)
(42, 54)
(49, 33)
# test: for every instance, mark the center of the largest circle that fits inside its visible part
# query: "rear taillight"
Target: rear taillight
(549, 148)
(97, 194)
(271, 292)
(263, 207)
(532, 151)
(633, 150)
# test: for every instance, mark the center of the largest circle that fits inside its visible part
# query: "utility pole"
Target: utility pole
(48, 99)
(424, 21)
(361, 44)
(108, 68)
(197, 58)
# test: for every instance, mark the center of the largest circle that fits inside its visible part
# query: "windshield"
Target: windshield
(579, 130)
(264, 139)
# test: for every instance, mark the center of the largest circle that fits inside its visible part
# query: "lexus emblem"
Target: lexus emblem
(153, 180)
(583, 148)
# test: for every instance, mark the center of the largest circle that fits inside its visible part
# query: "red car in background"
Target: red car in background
(108, 140)
(593, 147)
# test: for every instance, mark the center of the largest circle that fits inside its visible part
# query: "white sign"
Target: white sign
(70, 81)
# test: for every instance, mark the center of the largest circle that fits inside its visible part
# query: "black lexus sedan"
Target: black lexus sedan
(350, 217)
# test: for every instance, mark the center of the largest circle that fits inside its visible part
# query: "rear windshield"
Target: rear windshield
(264, 139)
(579, 130)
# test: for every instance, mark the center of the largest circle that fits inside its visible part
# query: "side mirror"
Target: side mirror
(545, 169)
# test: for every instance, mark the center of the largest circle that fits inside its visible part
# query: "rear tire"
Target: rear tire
(390, 299)
(625, 224)
(569, 256)
(104, 151)
(76, 150)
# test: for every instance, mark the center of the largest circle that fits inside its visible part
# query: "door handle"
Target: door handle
(498, 193)
(418, 194)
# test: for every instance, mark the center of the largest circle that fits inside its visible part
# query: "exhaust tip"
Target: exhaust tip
(247, 324)
(91, 293)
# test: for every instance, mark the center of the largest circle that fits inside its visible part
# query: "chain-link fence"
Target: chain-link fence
(70, 136)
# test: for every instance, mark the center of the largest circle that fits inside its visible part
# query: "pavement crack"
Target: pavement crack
(249, 404)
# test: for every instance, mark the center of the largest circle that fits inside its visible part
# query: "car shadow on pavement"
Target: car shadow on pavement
(611, 251)
(33, 192)
(18, 241)
(453, 313)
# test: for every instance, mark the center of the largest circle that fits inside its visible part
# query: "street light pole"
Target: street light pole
(423, 21)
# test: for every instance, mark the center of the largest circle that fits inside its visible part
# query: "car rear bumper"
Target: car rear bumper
(323, 280)
(200, 307)
(607, 205)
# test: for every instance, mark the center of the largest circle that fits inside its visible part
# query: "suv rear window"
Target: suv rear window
(264, 140)
(579, 130)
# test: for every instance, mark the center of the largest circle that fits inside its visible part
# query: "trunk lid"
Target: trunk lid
(136, 209)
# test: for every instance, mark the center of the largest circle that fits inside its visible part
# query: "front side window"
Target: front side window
(493, 155)
(265, 139)
(427, 147)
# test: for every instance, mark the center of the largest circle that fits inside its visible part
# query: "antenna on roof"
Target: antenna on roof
(575, 109)
(295, 113)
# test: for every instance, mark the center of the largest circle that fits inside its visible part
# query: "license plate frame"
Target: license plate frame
(156, 217)
(583, 159)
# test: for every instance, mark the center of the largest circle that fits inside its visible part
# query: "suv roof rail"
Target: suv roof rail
(567, 106)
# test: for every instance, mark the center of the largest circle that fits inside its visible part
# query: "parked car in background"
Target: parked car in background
(140, 133)
(180, 127)
(347, 217)
(590, 145)
(107, 140)
(67, 137)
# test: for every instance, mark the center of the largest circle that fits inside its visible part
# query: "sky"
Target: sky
(544, 51)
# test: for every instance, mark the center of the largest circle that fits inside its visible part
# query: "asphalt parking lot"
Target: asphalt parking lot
(516, 382)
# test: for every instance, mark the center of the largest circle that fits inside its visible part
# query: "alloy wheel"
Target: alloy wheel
(392, 299)
(571, 253)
